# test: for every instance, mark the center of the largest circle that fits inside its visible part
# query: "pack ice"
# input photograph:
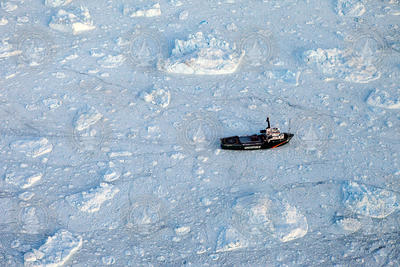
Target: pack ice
(204, 55)
(351, 8)
(22, 177)
(57, 250)
(6, 49)
(152, 11)
(342, 64)
(262, 215)
(57, 3)
(91, 201)
(87, 118)
(32, 147)
(158, 97)
(74, 21)
(369, 200)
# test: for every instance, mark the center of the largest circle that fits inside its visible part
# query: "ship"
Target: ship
(267, 138)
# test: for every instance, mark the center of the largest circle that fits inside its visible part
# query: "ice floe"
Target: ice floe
(23, 177)
(151, 11)
(350, 8)
(56, 251)
(111, 61)
(262, 216)
(91, 201)
(74, 21)
(342, 64)
(87, 119)
(57, 3)
(158, 97)
(32, 147)
(6, 49)
(230, 239)
(369, 200)
(201, 54)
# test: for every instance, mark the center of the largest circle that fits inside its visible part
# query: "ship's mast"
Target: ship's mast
(269, 125)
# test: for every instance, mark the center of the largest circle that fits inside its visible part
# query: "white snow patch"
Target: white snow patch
(158, 97)
(112, 173)
(8, 6)
(202, 55)
(75, 21)
(369, 200)
(292, 226)
(230, 239)
(184, 15)
(32, 148)
(349, 224)
(350, 8)
(3, 21)
(176, 3)
(111, 62)
(342, 64)
(56, 3)
(178, 156)
(6, 49)
(92, 200)
(153, 129)
(26, 196)
(57, 250)
(108, 260)
(182, 230)
(23, 178)
(117, 154)
(87, 119)
(151, 11)
(383, 99)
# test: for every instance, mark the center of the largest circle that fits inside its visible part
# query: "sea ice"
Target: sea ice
(111, 61)
(263, 216)
(369, 200)
(57, 3)
(6, 49)
(230, 239)
(32, 147)
(351, 8)
(74, 21)
(23, 178)
(57, 250)
(91, 201)
(152, 11)
(87, 119)
(158, 97)
(342, 64)
(201, 54)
